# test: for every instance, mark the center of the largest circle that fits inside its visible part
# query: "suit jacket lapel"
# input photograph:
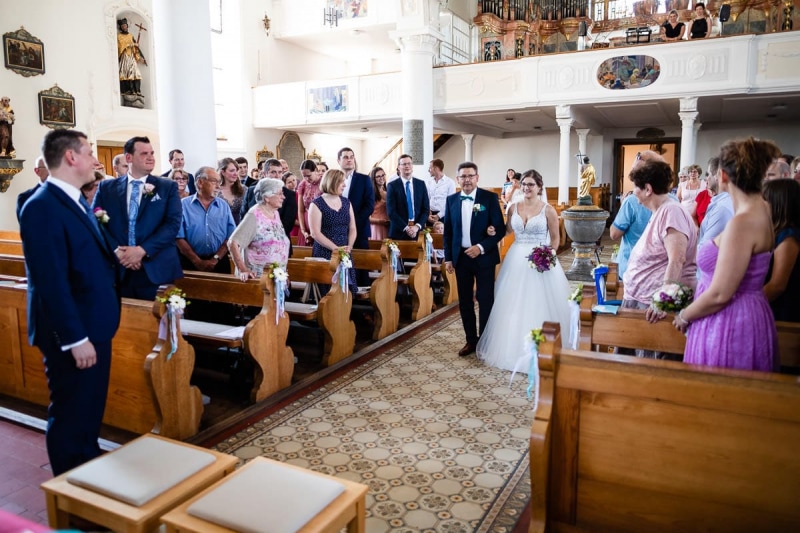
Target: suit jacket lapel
(146, 199)
(70, 204)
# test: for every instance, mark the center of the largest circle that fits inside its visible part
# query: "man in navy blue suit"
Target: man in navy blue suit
(407, 212)
(470, 249)
(73, 303)
(144, 218)
(358, 189)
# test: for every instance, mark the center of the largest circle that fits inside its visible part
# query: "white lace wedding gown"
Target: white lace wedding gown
(524, 298)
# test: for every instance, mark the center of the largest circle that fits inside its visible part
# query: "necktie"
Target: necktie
(409, 201)
(465, 197)
(89, 213)
(133, 212)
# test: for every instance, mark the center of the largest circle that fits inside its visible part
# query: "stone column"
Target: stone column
(565, 121)
(689, 128)
(184, 84)
(468, 138)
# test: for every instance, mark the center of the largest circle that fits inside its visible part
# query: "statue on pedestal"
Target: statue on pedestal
(130, 55)
(586, 181)
(6, 122)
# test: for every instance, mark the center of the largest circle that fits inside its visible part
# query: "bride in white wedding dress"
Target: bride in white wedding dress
(524, 298)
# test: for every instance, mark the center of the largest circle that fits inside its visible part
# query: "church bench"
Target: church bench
(382, 292)
(12, 265)
(418, 279)
(640, 445)
(10, 246)
(130, 403)
(10, 235)
(448, 278)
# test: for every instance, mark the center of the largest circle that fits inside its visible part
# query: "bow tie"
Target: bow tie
(465, 197)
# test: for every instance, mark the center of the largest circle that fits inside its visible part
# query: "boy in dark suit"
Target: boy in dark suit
(144, 218)
(73, 303)
(470, 251)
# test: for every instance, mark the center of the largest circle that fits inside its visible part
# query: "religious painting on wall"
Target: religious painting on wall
(628, 72)
(24, 53)
(56, 108)
(349, 9)
(327, 99)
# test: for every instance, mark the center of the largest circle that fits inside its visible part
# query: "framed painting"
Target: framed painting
(56, 108)
(23, 53)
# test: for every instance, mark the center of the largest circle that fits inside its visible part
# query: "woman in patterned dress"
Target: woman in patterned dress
(307, 191)
(331, 220)
(260, 240)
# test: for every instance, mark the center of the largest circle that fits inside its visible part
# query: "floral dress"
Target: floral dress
(263, 240)
(336, 227)
(306, 192)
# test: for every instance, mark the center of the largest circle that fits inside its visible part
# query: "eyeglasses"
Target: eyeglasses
(467, 176)
(638, 156)
(181, 179)
(380, 175)
(529, 185)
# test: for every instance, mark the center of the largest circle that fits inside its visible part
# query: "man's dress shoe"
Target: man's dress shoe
(466, 350)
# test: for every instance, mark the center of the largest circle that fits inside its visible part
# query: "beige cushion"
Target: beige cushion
(267, 498)
(140, 471)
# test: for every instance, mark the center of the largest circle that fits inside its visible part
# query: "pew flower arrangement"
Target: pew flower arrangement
(672, 297)
(342, 271)
(281, 277)
(615, 253)
(530, 358)
(428, 245)
(575, 298)
(577, 295)
(176, 302)
(394, 255)
(101, 215)
(542, 258)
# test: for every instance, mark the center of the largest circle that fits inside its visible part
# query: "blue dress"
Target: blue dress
(335, 226)
(785, 307)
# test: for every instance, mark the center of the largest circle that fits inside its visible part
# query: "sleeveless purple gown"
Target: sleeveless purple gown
(742, 335)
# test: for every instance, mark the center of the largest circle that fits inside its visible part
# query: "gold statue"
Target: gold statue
(586, 180)
(6, 122)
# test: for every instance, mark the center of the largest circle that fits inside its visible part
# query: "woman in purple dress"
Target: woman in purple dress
(332, 223)
(730, 323)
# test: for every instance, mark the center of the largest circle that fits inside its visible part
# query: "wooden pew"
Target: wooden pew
(130, 402)
(10, 235)
(448, 278)
(10, 246)
(639, 445)
(383, 290)
(12, 265)
(418, 279)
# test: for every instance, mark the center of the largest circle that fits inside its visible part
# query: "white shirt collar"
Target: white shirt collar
(69, 189)
(143, 179)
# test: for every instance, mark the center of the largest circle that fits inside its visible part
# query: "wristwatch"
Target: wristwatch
(216, 257)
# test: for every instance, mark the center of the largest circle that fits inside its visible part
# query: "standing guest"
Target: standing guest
(778, 170)
(358, 189)
(672, 30)
(534, 222)
(689, 189)
(508, 183)
(783, 277)
(270, 169)
(40, 169)
(253, 179)
(439, 188)
(703, 199)
(471, 251)
(260, 239)
(181, 178)
(406, 202)
(120, 165)
(787, 158)
(177, 162)
(289, 180)
(290, 186)
(730, 323)
(144, 217)
(89, 190)
(700, 26)
(322, 167)
(242, 165)
(666, 251)
(379, 220)
(720, 208)
(284, 165)
(307, 191)
(513, 193)
(206, 226)
(332, 221)
(73, 303)
(796, 169)
(231, 188)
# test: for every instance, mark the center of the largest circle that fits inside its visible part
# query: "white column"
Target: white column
(565, 121)
(468, 138)
(184, 83)
(688, 114)
(417, 49)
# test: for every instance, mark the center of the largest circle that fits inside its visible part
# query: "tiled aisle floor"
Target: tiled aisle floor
(23, 467)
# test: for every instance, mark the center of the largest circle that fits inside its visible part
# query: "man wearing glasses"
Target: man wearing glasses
(472, 229)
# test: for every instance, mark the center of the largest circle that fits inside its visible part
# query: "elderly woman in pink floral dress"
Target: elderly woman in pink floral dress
(260, 239)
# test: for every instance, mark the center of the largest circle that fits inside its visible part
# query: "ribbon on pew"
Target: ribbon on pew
(169, 326)
(429, 249)
(574, 323)
(531, 359)
(341, 274)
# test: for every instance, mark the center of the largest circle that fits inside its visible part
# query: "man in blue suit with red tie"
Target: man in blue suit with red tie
(473, 227)
(144, 218)
(73, 301)
(407, 202)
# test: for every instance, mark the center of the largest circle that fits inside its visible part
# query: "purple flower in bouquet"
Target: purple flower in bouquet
(672, 297)
(542, 258)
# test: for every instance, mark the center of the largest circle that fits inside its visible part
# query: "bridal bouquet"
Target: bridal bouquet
(672, 297)
(542, 258)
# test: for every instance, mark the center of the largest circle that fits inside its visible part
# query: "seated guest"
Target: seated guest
(181, 177)
(700, 26)
(90, 189)
(730, 323)
(206, 225)
(666, 250)
(379, 219)
(260, 239)
(672, 30)
(231, 189)
(783, 277)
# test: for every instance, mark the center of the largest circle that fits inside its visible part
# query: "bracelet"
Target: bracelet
(680, 316)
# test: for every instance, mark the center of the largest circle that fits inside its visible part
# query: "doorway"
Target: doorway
(105, 154)
(625, 151)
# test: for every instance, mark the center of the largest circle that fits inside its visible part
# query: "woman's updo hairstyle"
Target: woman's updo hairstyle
(746, 162)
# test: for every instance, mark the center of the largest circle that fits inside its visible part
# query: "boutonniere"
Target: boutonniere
(477, 208)
(148, 189)
(101, 215)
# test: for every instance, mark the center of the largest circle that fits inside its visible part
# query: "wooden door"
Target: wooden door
(105, 154)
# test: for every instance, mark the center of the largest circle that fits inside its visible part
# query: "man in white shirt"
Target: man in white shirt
(439, 188)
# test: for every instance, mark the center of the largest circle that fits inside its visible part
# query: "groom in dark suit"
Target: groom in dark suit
(407, 212)
(470, 251)
(73, 303)
(144, 218)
